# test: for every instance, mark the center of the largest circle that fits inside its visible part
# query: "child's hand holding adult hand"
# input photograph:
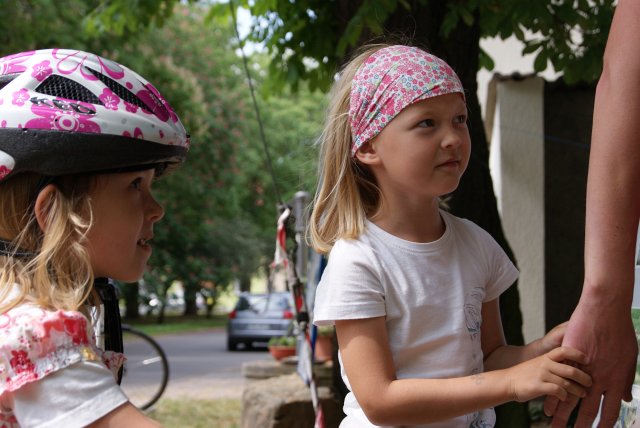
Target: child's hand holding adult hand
(548, 375)
(553, 339)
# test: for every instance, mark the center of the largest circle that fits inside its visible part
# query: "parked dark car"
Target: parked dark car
(258, 318)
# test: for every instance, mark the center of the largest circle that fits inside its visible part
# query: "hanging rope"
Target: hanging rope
(255, 104)
(282, 260)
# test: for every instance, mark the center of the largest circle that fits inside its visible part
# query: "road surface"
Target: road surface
(201, 367)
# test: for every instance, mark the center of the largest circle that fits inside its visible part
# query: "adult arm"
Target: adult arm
(601, 324)
(386, 400)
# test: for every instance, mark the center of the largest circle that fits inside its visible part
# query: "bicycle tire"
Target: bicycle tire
(146, 369)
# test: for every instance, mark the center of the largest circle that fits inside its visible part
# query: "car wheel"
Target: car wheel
(232, 345)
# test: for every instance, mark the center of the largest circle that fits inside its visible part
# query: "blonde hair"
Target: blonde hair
(347, 192)
(59, 274)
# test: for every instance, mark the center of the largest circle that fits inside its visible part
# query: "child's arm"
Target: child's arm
(386, 400)
(499, 355)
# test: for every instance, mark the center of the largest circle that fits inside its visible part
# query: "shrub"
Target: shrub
(283, 341)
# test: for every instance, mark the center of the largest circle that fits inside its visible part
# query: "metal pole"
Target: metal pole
(300, 202)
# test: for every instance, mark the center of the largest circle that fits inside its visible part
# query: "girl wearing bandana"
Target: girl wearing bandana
(413, 290)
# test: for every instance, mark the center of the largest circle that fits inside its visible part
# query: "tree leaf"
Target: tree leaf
(540, 63)
(486, 61)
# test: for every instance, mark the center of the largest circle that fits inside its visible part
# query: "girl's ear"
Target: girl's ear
(43, 204)
(367, 154)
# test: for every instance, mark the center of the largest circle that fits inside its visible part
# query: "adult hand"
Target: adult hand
(604, 332)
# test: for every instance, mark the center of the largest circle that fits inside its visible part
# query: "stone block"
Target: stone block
(285, 402)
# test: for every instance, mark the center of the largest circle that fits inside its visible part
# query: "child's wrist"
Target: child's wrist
(508, 385)
(536, 348)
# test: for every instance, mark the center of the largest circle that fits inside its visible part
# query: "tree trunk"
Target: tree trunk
(245, 281)
(163, 303)
(190, 293)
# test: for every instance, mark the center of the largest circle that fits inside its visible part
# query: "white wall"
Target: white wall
(518, 159)
(517, 169)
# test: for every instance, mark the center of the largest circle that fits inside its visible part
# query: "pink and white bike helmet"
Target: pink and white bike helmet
(67, 111)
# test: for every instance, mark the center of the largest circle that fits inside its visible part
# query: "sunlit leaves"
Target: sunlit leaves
(569, 35)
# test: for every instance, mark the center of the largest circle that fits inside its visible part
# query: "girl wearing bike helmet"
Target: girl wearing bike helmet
(81, 140)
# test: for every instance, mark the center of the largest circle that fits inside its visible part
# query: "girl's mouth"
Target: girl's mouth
(450, 163)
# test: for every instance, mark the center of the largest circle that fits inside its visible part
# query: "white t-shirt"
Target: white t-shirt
(431, 295)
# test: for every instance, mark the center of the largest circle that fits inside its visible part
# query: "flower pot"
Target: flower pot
(279, 352)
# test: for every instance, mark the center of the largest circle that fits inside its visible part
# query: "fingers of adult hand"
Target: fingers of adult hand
(563, 411)
(550, 405)
(566, 353)
(610, 410)
(627, 396)
(588, 410)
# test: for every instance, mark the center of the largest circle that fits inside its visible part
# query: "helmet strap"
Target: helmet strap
(112, 322)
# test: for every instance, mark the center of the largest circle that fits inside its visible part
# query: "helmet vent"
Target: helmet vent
(58, 86)
(6, 78)
(119, 90)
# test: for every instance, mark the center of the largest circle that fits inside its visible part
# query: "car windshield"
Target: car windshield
(264, 303)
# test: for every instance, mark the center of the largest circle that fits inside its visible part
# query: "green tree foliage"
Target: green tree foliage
(569, 34)
(220, 207)
(30, 24)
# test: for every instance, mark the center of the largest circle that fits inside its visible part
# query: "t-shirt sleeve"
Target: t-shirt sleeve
(75, 396)
(35, 343)
(350, 287)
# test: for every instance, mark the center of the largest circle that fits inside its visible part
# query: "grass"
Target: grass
(178, 324)
(224, 413)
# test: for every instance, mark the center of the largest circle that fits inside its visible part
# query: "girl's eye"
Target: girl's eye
(427, 123)
(137, 183)
(461, 120)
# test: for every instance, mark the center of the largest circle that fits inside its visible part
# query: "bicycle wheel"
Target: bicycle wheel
(146, 369)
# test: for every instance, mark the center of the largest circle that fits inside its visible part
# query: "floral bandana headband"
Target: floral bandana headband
(390, 80)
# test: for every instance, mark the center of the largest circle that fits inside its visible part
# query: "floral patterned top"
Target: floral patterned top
(35, 342)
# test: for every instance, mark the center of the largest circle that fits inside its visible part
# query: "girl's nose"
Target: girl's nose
(452, 139)
(155, 211)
